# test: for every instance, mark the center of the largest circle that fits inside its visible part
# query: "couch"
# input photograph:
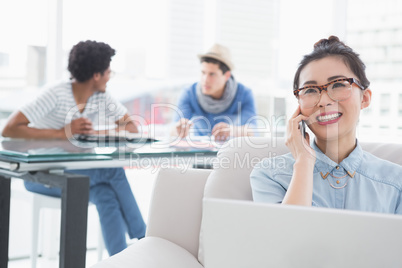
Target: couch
(174, 234)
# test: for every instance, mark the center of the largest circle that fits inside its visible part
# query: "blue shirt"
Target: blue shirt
(374, 184)
(240, 112)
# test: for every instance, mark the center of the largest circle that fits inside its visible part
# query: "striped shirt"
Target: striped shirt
(56, 107)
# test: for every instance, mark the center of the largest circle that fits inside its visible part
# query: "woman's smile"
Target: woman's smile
(328, 118)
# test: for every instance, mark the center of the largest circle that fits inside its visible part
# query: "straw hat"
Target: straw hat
(219, 53)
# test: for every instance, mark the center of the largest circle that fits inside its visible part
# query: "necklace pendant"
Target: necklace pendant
(351, 175)
(324, 176)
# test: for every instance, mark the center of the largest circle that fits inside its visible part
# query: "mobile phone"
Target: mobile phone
(302, 126)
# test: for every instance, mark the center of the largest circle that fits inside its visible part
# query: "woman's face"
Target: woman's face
(329, 119)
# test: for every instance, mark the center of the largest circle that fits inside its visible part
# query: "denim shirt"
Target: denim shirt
(361, 181)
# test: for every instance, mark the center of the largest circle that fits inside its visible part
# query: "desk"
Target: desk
(43, 161)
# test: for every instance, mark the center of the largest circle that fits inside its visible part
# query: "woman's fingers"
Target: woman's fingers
(297, 112)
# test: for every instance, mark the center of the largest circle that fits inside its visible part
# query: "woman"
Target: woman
(332, 88)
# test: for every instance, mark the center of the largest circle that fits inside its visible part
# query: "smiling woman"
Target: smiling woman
(338, 112)
(332, 88)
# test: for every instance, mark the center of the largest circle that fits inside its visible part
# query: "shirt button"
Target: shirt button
(337, 167)
(337, 182)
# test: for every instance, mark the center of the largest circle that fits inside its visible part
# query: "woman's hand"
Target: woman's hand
(300, 190)
(298, 145)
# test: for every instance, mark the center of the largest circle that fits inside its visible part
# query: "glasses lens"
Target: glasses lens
(340, 91)
(309, 97)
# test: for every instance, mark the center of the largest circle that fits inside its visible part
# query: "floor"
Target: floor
(91, 259)
(141, 181)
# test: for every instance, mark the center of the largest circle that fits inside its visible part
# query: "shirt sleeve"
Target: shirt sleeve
(399, 205)
(44, 104)
(184, 109)
(264, 188)
(114, 108)
(248, 111)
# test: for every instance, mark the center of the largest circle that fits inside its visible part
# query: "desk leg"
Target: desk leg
(73, 233)
(4, 219)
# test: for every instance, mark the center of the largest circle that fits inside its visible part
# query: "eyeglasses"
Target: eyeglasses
(338, 90)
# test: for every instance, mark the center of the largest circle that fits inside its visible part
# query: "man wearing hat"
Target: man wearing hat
(217, 105)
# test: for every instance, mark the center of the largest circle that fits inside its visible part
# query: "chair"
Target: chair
(40, 202)
(173, 223)
(174, 235)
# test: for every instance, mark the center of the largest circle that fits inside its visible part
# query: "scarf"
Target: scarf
(216, 106)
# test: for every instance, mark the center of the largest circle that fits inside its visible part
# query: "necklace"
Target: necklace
(338, 187)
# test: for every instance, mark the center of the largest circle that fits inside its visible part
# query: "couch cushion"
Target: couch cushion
(236, 160)
(151, 252)
(387, 151)
(175, 210)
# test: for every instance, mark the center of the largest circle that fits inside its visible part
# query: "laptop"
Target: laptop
(249, 235)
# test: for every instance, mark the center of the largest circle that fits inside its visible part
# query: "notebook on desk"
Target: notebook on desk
(129, 137)
(247, 235)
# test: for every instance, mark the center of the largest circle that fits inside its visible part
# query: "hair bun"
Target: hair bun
(332, 39)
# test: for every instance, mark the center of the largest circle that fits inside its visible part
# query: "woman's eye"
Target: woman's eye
(309, 91)
(338, 85)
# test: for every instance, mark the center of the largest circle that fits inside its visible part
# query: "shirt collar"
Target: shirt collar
(350, 164)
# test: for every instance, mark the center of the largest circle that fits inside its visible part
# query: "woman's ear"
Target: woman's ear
(366, 99)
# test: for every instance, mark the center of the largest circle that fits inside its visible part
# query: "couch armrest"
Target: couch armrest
(176, 207)
(151, 252)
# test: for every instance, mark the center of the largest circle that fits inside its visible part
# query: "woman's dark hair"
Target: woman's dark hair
(88, 58)
(224, 68)
(333, 47)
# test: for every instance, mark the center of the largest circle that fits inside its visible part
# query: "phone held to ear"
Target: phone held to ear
(302, 126)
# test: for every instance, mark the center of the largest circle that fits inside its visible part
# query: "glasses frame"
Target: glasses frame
(325, 87)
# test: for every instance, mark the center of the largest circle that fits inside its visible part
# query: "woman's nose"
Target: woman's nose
(325, 99)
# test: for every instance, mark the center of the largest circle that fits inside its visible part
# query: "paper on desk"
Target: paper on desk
(197, 142)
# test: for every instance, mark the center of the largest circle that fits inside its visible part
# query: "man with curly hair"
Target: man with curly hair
(75, 107)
